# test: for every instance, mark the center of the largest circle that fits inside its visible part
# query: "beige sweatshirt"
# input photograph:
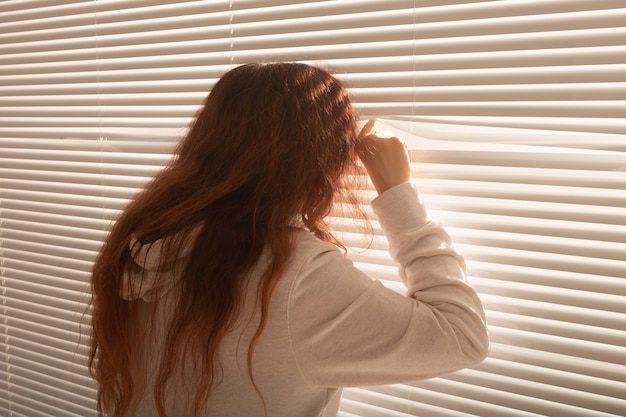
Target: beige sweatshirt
(331, 326)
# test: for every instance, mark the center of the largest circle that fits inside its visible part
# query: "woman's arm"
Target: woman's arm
(348, 330)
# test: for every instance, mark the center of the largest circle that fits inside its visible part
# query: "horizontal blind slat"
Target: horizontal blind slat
(89, 214)
(585, 383)
(69, 225)
(535, 357)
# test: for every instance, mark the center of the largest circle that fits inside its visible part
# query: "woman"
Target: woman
(220, 290)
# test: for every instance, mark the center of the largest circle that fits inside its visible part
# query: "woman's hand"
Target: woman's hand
(385, 158)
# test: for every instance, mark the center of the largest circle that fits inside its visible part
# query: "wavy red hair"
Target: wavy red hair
(271, 146)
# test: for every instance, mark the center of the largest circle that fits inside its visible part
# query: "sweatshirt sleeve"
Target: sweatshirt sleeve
(347, 329)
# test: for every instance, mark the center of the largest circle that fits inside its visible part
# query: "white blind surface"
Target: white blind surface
(516, 114)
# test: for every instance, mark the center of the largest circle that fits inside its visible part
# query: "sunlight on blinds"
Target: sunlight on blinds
(543, 231)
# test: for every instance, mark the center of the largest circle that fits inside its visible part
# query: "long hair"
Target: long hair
(272, 145)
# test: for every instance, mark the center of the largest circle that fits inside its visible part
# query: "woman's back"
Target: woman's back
(329, 326)
(284, 389)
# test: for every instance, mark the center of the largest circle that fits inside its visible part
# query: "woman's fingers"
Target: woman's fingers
(386, 159)
(368, 128)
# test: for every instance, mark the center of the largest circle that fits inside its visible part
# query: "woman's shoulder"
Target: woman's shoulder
(307, 246)
(316, 263)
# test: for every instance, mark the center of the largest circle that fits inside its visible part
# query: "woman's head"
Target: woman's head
(284, 133)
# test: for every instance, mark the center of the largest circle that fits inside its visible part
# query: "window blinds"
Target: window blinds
(515, 111)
